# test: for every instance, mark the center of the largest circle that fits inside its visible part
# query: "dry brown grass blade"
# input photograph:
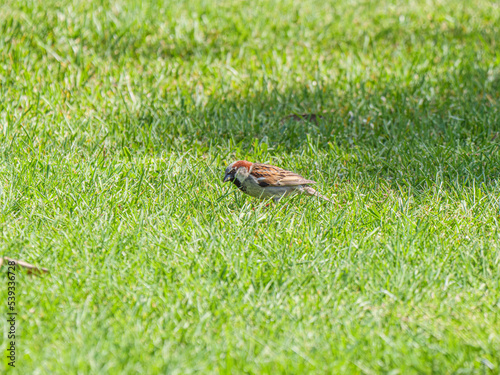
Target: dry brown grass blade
(30, 269)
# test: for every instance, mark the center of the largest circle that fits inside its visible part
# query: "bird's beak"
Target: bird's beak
(227, 178)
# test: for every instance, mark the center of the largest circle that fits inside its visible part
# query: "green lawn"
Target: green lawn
(117, 120)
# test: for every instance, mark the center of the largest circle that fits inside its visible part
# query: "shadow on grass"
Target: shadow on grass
(418, 133)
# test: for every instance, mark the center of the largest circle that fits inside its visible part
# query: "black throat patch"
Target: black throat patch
(239, 185)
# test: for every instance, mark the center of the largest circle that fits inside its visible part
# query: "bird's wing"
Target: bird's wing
(269, 175)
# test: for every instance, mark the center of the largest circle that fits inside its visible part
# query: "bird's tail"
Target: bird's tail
(310, 191)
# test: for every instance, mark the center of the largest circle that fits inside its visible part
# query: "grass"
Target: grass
(118, 118)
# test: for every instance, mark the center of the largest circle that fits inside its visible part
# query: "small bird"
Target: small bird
(267, 181)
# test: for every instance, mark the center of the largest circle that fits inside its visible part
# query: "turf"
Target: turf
(117, 119)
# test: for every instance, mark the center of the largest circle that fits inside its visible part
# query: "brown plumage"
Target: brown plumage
(274, 176)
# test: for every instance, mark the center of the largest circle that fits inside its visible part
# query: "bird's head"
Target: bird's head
(237, 169)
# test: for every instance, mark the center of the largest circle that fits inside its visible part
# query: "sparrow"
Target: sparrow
(267, 181)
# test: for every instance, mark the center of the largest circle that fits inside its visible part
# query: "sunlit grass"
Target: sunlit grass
(118, 119)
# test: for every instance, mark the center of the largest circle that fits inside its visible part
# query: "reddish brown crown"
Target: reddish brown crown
(242, 163)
